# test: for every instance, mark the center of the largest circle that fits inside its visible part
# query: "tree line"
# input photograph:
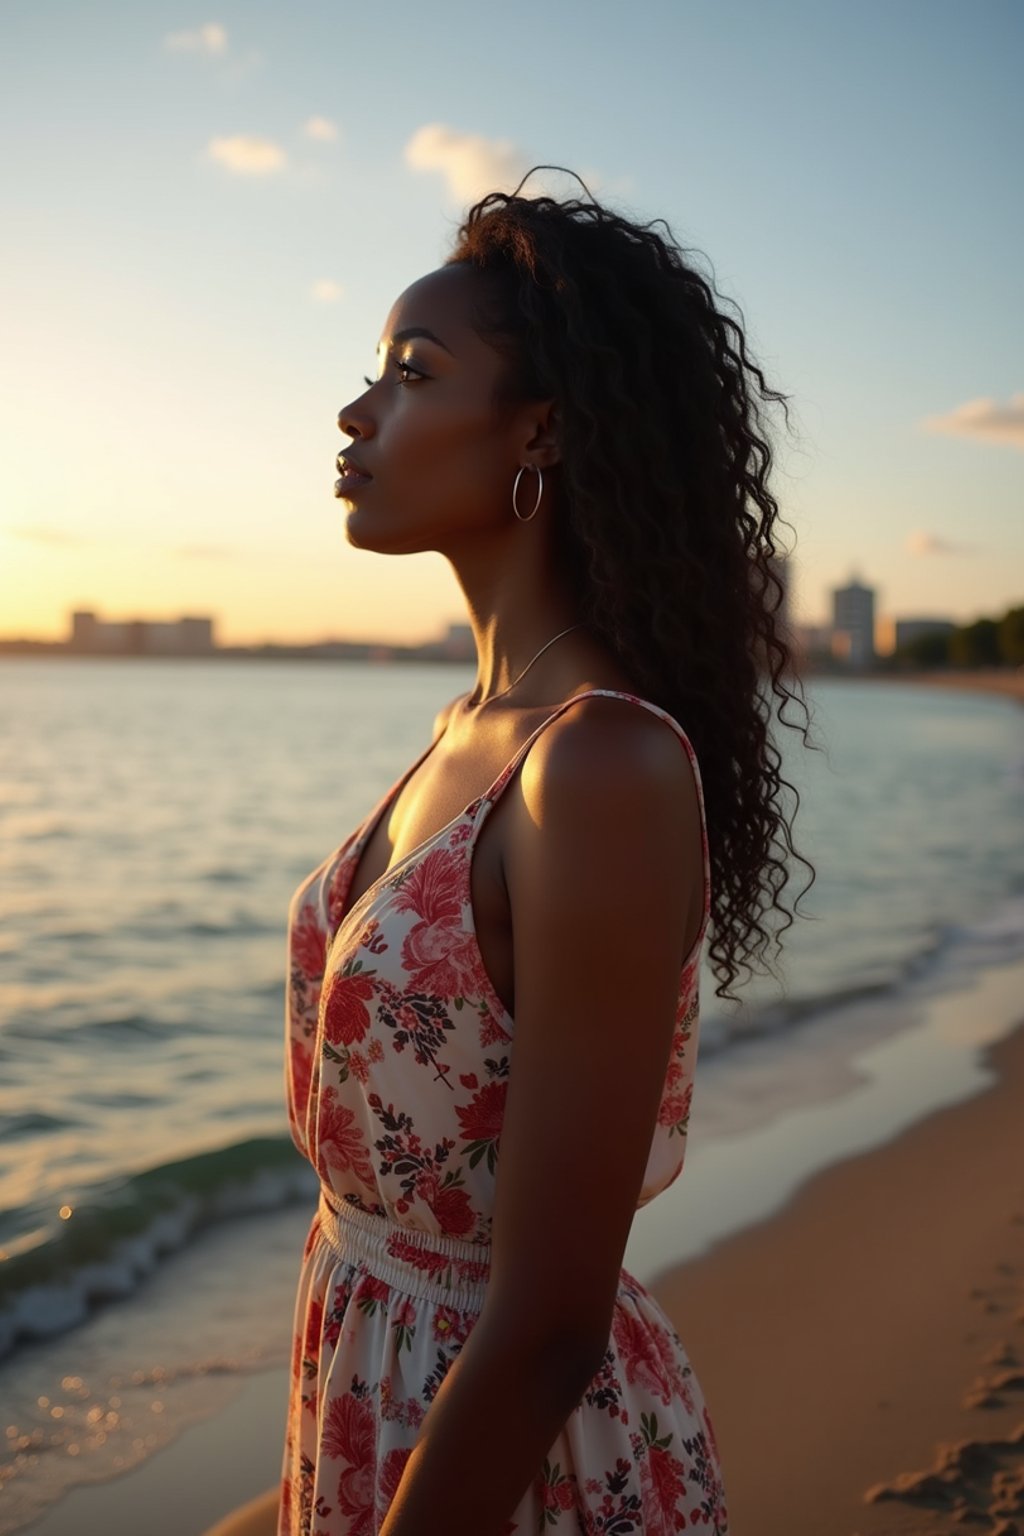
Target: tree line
(984, 643)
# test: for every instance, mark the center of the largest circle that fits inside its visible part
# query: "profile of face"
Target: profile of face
(441, 455)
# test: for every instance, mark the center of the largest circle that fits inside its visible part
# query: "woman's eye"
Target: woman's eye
(405, 368)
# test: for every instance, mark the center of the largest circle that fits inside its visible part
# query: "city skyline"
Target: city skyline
(856, 633)
(211, 234)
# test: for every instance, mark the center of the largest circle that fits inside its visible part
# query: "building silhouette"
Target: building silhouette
(853, 624)
(93, 636)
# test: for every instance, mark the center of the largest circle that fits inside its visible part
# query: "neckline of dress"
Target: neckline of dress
(352, 850)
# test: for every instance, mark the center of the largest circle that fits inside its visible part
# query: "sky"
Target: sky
(210, 212)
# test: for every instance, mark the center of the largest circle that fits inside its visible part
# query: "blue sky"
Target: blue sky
(210, 212)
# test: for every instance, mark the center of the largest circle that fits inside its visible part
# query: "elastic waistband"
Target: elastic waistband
(442, 1269)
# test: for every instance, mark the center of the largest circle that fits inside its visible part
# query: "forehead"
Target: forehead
(442, 302)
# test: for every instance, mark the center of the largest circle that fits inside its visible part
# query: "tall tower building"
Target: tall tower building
(853, 623)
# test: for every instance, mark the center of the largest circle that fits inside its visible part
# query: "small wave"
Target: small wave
(223, 875)
(32, 1123)
(117, 1232)
(996, 937)
(126, 1027)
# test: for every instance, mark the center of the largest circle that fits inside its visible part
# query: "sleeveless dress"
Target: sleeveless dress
(398, 1056)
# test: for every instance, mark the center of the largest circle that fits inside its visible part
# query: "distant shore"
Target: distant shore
(1008, 681)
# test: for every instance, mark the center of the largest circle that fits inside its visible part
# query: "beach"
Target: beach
(861, 1349)
(871, 1334)
(830, 1256)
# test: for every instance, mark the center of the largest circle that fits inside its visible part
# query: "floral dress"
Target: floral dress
(399, 1052)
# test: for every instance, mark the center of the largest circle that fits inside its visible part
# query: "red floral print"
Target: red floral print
(308, 943)
(482, 1118)
(440, 958)
(430, 888)
(399, 1058)
(341, 1142)
(346, 1016)
(349, 1435)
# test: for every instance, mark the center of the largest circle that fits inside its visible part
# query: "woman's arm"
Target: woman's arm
(605, 879)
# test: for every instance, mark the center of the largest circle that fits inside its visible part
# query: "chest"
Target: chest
(437, 792)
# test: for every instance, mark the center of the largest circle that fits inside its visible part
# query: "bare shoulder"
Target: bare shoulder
(607, 802)
(609, 763)
(442, 717)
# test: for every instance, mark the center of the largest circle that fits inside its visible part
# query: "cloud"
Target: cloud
(39, 533)
(203, 552)
(211, 38)
(921, 542)
(321, 128)
(247, 155)
(984, 419)
(470, 164)
(327, 291)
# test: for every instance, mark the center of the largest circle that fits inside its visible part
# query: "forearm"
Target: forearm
(484, 1438)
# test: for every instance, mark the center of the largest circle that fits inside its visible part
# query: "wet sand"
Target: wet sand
(862, 1352)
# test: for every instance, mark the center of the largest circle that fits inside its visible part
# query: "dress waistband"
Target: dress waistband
(442, 1269)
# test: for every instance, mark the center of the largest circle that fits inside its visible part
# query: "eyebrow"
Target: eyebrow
(417, 330)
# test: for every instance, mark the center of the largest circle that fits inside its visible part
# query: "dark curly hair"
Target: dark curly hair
(664, 529)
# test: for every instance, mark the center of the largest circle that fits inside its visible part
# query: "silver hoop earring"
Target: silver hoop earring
(540, 492)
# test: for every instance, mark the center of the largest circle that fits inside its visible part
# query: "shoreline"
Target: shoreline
(862, 1350)
(1005, 681)
(840, 1344)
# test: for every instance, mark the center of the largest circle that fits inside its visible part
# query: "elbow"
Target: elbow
(562, 1352)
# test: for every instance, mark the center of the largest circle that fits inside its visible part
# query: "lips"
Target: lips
(353, 475)
(347, 465)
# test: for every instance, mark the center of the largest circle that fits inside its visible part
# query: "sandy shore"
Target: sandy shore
(862, 1352)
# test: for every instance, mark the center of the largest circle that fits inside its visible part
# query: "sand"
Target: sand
(862, 1352)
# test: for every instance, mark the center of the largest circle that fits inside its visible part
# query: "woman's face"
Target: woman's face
(442, 458)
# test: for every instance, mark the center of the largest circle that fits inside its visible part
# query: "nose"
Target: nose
(353, 421)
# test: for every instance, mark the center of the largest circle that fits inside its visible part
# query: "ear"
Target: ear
(542, 442)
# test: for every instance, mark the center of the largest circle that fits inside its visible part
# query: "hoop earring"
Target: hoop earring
(540, 492)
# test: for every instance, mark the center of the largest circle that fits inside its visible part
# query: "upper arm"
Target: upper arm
(604, 869)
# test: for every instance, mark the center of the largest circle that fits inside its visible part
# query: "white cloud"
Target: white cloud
(984, 419)
(247, 155)
(473, 166)
(321, 128)
(921, 542)
(327, 291)
(470, 164)
(211, 38)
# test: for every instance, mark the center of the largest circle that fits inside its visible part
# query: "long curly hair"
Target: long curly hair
(664, 523)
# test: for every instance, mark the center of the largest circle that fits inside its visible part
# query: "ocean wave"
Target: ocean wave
(115, 1235)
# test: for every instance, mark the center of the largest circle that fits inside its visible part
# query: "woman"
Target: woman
(560, 412)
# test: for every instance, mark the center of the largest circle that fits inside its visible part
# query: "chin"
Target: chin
(364, 532)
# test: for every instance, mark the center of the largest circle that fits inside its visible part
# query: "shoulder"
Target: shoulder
(444, 714)
(608, 752)
(607, 792)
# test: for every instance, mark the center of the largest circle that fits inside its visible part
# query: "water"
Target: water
(155, 819)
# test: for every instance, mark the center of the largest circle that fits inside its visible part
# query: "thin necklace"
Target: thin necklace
(480, 702)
